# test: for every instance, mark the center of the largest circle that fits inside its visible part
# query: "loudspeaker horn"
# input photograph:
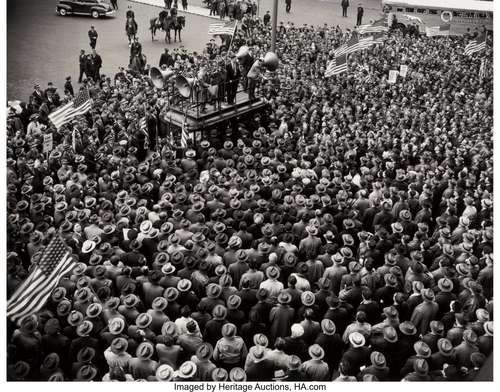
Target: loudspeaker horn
(159, 77)
(184, 85)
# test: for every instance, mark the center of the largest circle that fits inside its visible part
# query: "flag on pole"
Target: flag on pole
(475, 45)
(80, 105)
(443, 30)
(29, 298)
(221, 28)
(355, 44)
(379, 26)
(184, 134)
(336, 66)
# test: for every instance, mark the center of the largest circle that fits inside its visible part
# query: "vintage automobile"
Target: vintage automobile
(95, 8)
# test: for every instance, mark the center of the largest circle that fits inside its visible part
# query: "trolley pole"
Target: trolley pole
(274, 22)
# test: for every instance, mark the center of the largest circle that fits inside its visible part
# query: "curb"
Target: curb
(192, 9)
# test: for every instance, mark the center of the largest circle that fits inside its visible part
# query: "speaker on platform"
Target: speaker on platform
(184, 85)
(160, 77)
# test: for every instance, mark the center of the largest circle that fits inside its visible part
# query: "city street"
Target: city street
(44, 47)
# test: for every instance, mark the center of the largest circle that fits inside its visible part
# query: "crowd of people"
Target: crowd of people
(343, 233)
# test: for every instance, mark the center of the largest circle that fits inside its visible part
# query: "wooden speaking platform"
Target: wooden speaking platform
(198, 121)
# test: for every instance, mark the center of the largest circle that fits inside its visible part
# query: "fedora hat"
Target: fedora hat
(145, 350)
(171, 294)
(58, 294)
(88, 246)
(272, 272)
(422, 349)
(86, 354)
(112, 303)
(143, 320)
(86, 373)
(116, 326)
(445, 285)
(187, 370)
(407, 328)
(85, 328)
(219, 374)
(169, 328)
(307, 298)
(119, 345)
(488, 328)
(237, 375)
(204, 351)
(421, 366)
(94, 310)
(377, 359)
(328, 327)
(159, 303)
(164, 373)
(445, 347)
(184, 285)
(470, 337)
(228, 330)
(428, 295)
(219, 312)
(213, 290)
(316, 352)
(63, 308)
(233, 302)
(131, 300)
(168, 269)
(75, 318)
(390, 334)
(21, 370)
(284, 298)
(259, 339)
(356, 339)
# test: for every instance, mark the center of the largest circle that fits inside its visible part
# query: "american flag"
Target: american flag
(355, 44)
(220, 28)
(336, 66)
(80, 105)
(443, 30)
(29, 298)
(484, 69)
(184, 135)
(475, 45)
(379, 26)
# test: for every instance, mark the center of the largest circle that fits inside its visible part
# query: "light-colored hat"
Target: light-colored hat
(356, 339)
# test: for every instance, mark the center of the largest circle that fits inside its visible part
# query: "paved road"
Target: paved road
(43, 47)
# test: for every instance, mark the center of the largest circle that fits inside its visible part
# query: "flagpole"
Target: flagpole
(274, 26)
(232, 37)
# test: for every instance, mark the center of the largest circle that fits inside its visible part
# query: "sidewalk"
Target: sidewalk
(191, 9)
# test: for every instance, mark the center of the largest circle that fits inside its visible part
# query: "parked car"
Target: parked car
(95, 8)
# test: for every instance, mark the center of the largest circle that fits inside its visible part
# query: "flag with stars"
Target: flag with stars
(80, 105)
(31, 295)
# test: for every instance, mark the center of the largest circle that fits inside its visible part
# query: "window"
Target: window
(468, 15)
(410, 10)
(433, 12)
(481, 15)
(399, 10)
(421, 10)
(457, 14)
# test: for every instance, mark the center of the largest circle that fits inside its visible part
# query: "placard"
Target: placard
(47, 143)
(403, 70)
(393, 75)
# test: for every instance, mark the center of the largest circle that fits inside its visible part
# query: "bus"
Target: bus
(460, 14)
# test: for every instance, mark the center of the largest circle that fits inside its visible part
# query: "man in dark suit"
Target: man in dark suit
(82, 59)
(93, 37)
(166, 59)
(97, 64)
(233, 77)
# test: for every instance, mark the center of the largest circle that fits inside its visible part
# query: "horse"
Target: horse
(131, 29)
(157, 23)
(178, 25)
(138, 63)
